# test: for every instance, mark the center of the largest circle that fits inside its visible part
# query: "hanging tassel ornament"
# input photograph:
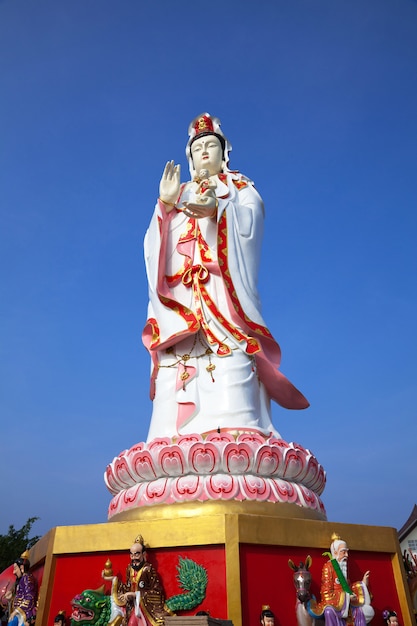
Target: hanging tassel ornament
(210, 367)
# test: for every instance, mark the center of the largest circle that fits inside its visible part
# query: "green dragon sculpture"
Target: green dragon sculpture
(193, 578)
(94, 608)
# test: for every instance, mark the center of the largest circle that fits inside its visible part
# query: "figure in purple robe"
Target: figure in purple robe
(24, 597)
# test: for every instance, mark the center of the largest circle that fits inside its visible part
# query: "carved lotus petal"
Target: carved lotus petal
(321, 481)
(187, 488)
(237, 458)
(222, 486)
(268, 461)
(252, 439)
(285, 490)
(220, 439)
(186, 441)
(255, 487)
(158, 443)
(309, 474)
(280, 443)
(204, 458)
(311, 471)
(298, 446)
(114, 505)
(172, 462)
(122, 472)
(311, 500)
(136, 448)
(315, 477)
(130, 495)
(156, 491)
(111, 482)
(294, 464)
(143, 465)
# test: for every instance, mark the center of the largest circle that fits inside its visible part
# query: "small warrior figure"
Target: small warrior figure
(142, 594)
(267, 617)
(23, 597)
(342, 605)
(409, 567)
(390, 617)
(60, 619)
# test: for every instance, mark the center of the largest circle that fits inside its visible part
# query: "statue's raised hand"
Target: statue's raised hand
(169, 187)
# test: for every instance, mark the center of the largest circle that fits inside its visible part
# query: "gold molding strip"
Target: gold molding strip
(232, 555)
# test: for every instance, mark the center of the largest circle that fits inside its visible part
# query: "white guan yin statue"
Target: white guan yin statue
(215, 365)
(214, 361)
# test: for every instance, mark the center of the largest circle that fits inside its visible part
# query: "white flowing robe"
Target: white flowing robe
(202, 278)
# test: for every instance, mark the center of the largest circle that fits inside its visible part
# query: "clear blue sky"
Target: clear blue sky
(319, 99)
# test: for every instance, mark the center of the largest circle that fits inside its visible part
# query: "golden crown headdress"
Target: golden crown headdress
(140, 539)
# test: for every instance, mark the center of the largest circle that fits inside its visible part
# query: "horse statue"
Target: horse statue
(302, 582)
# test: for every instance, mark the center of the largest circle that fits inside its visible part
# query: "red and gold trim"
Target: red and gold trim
(195, 278)
(224, 267)
(240, 184)
(203, 124)
(187, 315)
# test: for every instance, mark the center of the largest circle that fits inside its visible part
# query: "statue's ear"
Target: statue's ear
(291, 564)
(309, 561)
(100, 589)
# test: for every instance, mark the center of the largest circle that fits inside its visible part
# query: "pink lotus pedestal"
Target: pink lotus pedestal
(226, 466)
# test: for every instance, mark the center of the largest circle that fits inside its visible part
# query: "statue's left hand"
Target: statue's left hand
(365, 578)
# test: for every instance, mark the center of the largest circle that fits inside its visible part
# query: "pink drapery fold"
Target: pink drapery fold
(185, 409)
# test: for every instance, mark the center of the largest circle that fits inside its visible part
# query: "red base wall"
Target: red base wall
(267, 579)
(74, 573)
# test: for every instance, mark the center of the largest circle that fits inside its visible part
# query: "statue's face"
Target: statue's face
(17, 570)
(393, 620)
(342, 553)
(137, 556)
(207, 154)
